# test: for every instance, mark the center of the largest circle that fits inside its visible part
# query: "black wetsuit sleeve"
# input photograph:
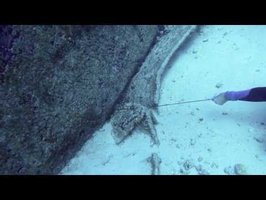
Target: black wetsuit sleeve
(256, 94)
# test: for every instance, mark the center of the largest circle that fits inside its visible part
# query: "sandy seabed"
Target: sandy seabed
(201, 137)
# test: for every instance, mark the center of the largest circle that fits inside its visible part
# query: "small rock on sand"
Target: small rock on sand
(240, 169)
(229, 170)
(192, 142)
(200, 119)
(200, 159)
(214, 165)
(201, 171)
(259, 139)
(218, 85)
(188, 164)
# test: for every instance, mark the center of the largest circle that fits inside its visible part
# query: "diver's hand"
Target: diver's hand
(220, 99)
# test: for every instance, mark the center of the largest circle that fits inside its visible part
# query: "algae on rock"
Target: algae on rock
(60, 87)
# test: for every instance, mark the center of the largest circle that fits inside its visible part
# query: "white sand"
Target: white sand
(233, 56)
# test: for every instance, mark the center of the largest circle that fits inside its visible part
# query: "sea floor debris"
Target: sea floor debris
(129, 117)
(155, 162)
(135, 110)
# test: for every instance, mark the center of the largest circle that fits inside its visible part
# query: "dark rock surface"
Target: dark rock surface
(58, 85)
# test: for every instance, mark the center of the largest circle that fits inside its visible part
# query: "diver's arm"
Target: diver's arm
(254, 94)
(236, 95)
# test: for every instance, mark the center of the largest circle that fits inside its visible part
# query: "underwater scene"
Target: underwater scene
(132, 100)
